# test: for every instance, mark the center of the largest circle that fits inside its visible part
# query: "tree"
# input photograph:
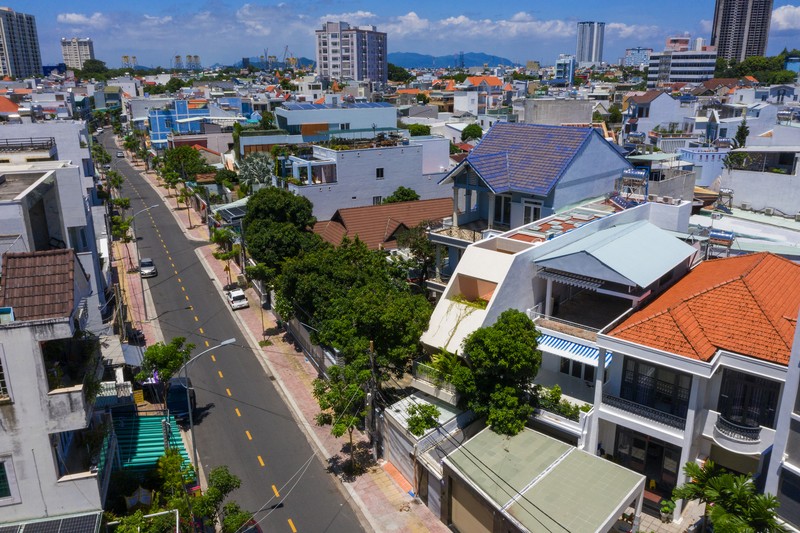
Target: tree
(698, 487)
(398, 74)
(422, 417)
(224, 239)
(226, 177)
(267, 121)
(164, 360)
(341, 400)
(174, 84)
(422, 249)
(186, 162)
(741, 134)
(419, 129)
(93, 67)
(256, 168)
(401, 194)
(614, 114)
(220, 484)
(234, 517)
(423, 99)
(503, 360)
(473, 131)
(185, 198)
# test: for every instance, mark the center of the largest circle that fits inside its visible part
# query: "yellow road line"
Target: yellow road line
(187, 297)
(249, 436)
(260, 461)
(220, 373)
(228, 391)
(176, 272)
(173, 266)
(196, 319)
(291, 525)
(183, 289)
(201, 331)
(179, 280)
(169, 258)
(275, 490)
(237, 411)
(212, 357)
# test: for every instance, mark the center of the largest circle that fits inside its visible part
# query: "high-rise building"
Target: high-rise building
(590, 42)
(356, 53)
(565, 68)
(677, 43)
(76, 51)
(741, 28)
(19, 45)
(672, 67)
(637, 57)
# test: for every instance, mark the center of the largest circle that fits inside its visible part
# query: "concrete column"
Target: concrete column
(638, 515)
(309, 172)
(455, 207)
(438, 261)
(594, 426)
(490, 196)
(295, 171)
(689, 450)
(548, 298)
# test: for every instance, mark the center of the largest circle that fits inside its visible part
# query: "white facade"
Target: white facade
(590, 42)
(708, 163)
(19, 50)
(671, 67)
(356, 53)
(76, 51)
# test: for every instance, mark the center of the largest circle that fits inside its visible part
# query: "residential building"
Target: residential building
(19, 53)
(355, 53)
(479, 94)
(762, 178)
(740, 28)
(637, 57)
(565, 69)
(590, 42)
(672, 67)
(363, 173)
(643, 113)
(56, 451)
(707, 162)
(678, 43)
(181, 116)
(76, 51)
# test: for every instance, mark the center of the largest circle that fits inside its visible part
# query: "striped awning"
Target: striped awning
(572, 350)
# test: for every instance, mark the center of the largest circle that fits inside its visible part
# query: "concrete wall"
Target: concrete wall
(556, 112)
(358, 118)
(763, 189)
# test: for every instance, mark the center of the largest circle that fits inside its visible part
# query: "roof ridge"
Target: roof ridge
(696, 322)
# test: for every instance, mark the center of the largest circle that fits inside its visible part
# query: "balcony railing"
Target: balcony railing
(430, 375)
(735, 431)
(645, 412)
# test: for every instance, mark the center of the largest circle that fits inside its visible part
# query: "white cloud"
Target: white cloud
(786, 18)
(706, 26)
(156, 21)
(354, 17)
(407, 24)
(95, 20)
(626, 31)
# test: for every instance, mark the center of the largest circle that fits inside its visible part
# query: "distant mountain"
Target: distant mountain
(258, 63)
(471, 59)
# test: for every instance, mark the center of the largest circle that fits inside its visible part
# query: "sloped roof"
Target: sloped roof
(528, 158)
(746, 304)
(492, 81)
(7, 106)
(39, 285)
(377, 225)
(646, 98)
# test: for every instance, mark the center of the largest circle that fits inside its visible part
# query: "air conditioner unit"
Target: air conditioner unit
(652, 197)
(797, 217)
(746, 206)
(667, 199)
(676, 201)
(769, 211)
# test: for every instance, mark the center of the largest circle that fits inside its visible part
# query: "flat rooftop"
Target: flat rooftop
(14, 184)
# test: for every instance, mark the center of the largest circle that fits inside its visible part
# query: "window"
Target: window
(9, 491)
(379, 173)
(345, 126)
(657, 387)
(748, 400)
(4, 396)
(5, 487)
(588, 373)
(377, 200)
(565, 365)
(531, 211)
(502, 210)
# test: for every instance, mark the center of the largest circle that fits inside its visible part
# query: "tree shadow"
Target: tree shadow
(340, 466)
(200, 413)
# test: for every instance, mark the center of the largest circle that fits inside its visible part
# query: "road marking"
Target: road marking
(201, 331)
(228, 391)
(249, 436)
(187, 296)
(260, 461)
(237, 411)
(176, 272)
(179, 280)
(291, 525)
(220, 373)
(169, 257)
(183, 288)
(213, 358)
(173, 266)
(212, 355)
(275, 490)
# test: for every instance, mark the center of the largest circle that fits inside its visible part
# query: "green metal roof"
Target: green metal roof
(140, 441)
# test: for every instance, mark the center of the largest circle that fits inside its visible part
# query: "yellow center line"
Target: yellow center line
(260, 461)
(249, 436)
(238, 413)
(291, 525)
(187, 297)
(212, 357)
(176, 272)
(275, 490)
(201, 331)
(196, 319)
(179, 280)
(183, 289)
(173, 266)
(228, 391)
(169, 258)
(220, 373)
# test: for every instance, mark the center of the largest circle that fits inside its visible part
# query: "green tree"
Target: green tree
(398, 74)
(699, 485)
(93, 68)
(267, 121)
(503, 360)
(220, 484)
(422, 417)
(422, 249)
(418, 129)
(614, 114)
(185, 198)
(341, 400)
(473, 131)
(227, 251)
(401, 194)
(226, 177)
(186, 162)
(165, 360)
(741, 134)
(175, 84)
(423, 99)
(114, 179)
(234, 517)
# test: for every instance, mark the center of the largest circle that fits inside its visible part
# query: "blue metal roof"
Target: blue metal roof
(572, 350)
(528, 158)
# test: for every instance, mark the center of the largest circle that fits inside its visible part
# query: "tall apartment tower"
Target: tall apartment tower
(357, 53)
(76, 51)
(590, 42)
(741, 28)
(19, 45)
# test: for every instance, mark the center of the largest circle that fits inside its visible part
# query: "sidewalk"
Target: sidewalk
(380, 496)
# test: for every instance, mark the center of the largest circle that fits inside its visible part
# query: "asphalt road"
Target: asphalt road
(242, 422)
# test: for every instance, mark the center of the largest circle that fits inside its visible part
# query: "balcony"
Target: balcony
(73, 368)
(89, 458)
(643, 411)
(738, 438)
(429, 380)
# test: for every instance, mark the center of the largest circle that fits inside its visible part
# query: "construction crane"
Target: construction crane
(285, 53)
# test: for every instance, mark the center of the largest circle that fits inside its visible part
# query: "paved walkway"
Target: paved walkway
(380, 496)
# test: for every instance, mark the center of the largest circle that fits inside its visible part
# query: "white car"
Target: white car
(237, 298)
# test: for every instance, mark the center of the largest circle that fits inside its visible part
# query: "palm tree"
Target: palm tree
(185, 198)
(697, 488)
(738, 508)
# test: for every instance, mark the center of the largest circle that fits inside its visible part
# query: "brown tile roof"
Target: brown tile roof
(39, 285)
(7, 106)
(645, 98)
(746, 304)
(377, 225)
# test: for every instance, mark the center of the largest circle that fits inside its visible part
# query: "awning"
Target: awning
(582, 282)
(572, 350)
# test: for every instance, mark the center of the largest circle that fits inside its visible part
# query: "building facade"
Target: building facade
(76, 51)
(590, 42)
(19, 45)
(347, 52)
(741, 28)
(637, 57)
(565, 68)
(671, 67)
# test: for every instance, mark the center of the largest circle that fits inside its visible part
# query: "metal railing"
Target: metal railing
(738, 432)
(645, 412)
(430, 375)
(27, 144)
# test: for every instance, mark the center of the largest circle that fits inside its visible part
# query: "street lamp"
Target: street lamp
(138, 259)
(188, 399)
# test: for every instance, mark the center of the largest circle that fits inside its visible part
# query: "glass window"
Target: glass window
(379, 173)
(377, 200)
(577, 369)
(565, 365)
(657, 387)
(748, 400)
(588, 373)
(3, 386)
(5, 486)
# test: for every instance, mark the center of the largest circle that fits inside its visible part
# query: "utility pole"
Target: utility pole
(373, 383)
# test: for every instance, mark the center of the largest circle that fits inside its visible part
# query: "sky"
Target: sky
(225, 31)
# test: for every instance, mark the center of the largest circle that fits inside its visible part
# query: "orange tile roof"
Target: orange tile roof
(407, 91)
(377, 225)
(7, 106)
(450, 86)
(492, 81)
(746, 304)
